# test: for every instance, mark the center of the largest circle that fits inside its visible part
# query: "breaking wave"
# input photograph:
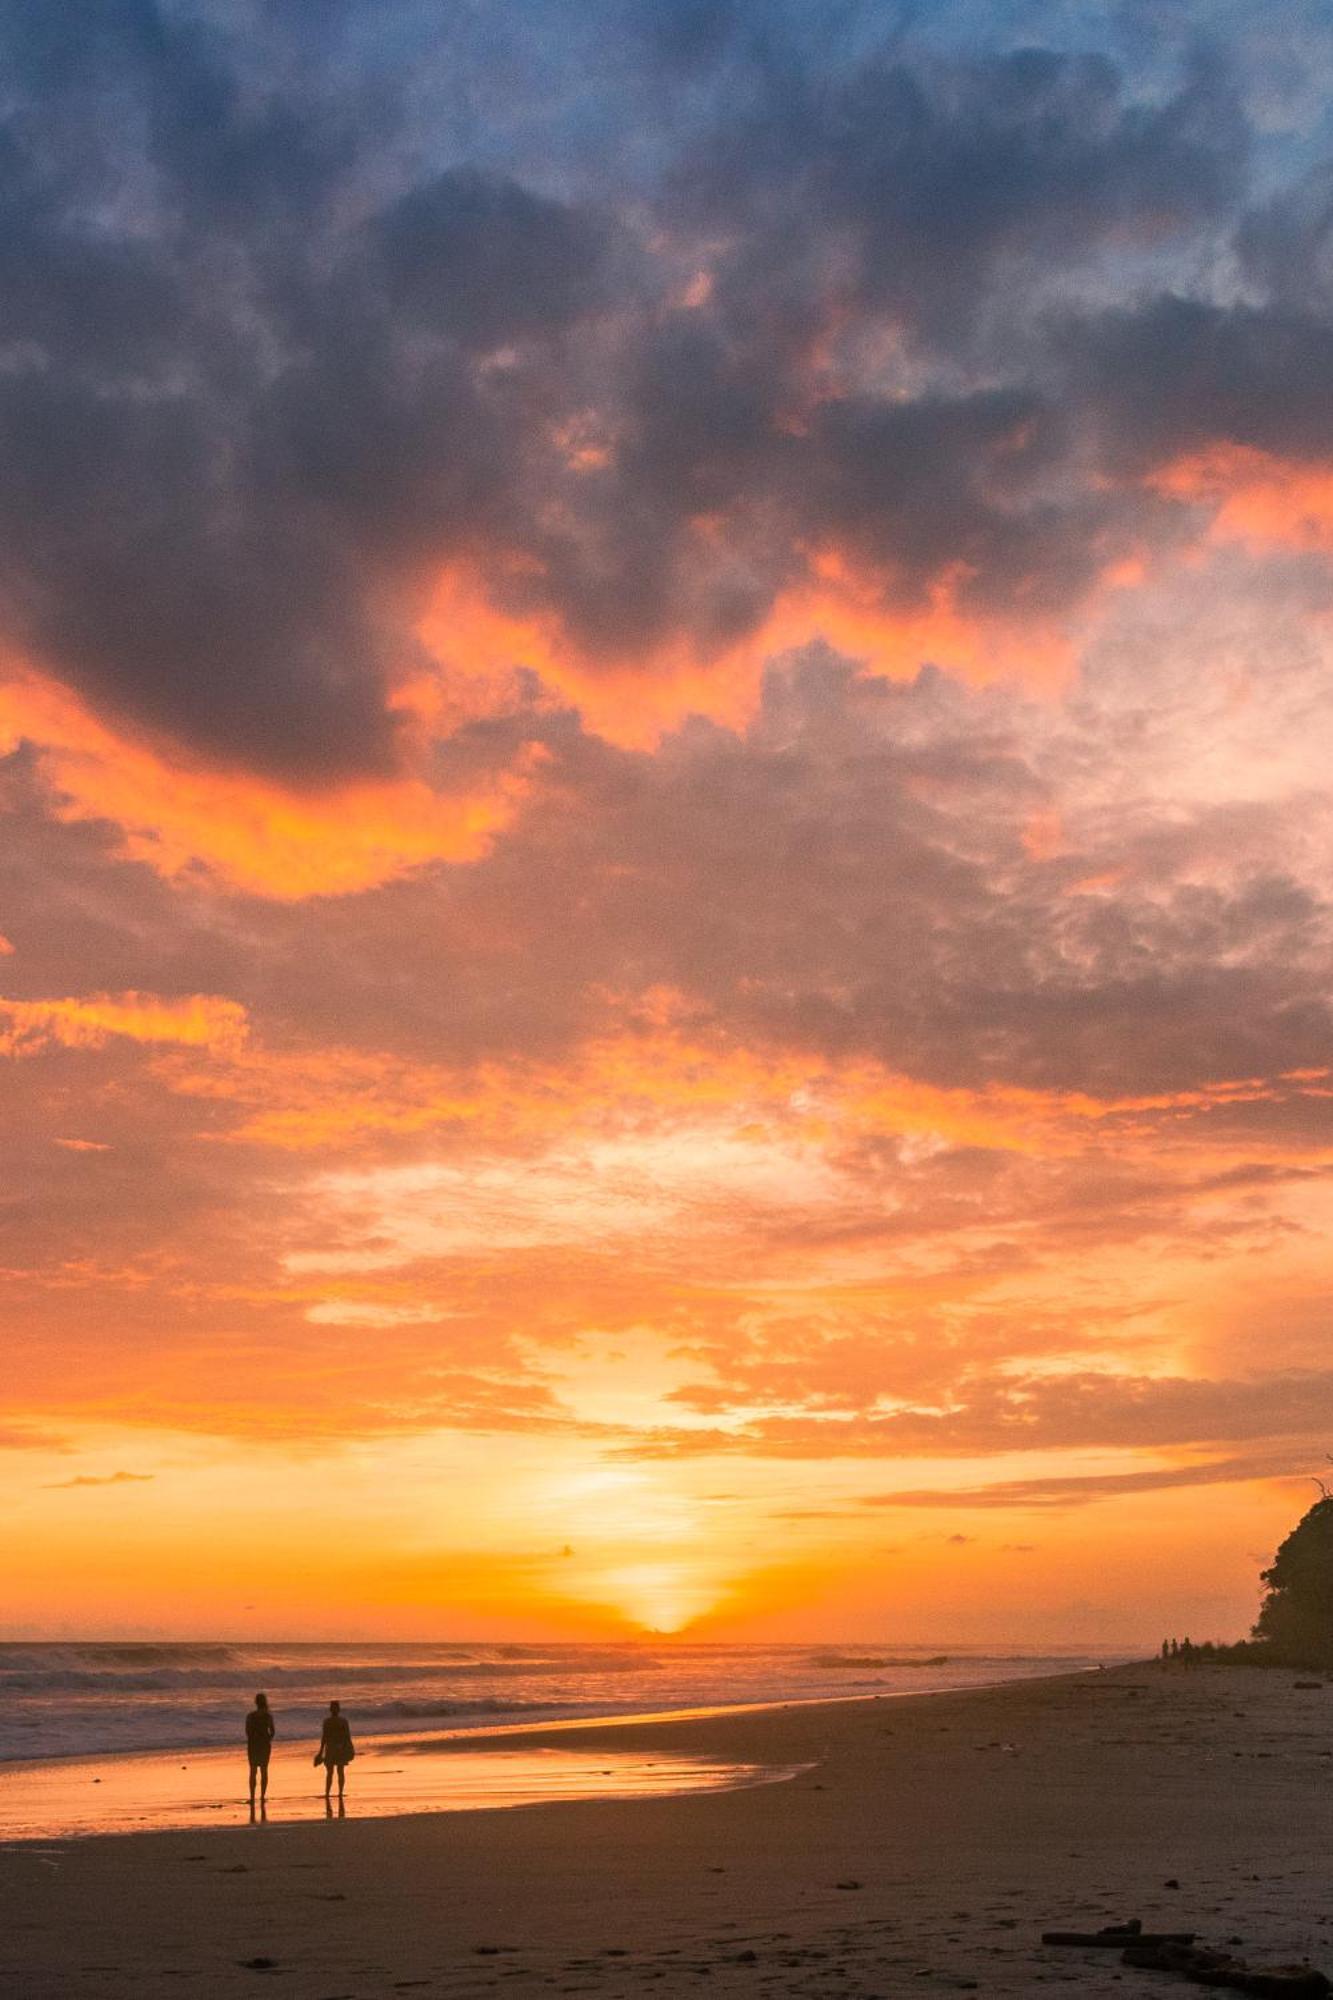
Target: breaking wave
(72, 1698)
(131, 1670)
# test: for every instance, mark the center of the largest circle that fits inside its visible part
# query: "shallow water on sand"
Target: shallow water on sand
(167, 1790)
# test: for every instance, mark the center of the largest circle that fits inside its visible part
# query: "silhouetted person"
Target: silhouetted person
(336, 1749)
(259, 1733)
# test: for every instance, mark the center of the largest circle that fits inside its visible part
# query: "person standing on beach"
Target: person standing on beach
(336, 1749)
(259, 1733)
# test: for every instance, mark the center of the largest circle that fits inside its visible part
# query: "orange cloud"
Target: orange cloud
(254, 835)
(1093, 885)
(1044, 835)
(200, 1022)
(634, 701)
(312, 1100)
(331, 1098)
(847, 607)
(1258, 497)
(270, 841)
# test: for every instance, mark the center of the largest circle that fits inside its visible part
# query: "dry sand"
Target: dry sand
(925, 1853)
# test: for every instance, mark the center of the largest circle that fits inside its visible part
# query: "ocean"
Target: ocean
(82, 1700)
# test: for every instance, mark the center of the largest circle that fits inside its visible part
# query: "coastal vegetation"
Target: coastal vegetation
(1294, 1628)
(1295, 1623)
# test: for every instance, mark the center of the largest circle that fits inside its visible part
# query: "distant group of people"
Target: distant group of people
(1179, 1653)
(336, 1751)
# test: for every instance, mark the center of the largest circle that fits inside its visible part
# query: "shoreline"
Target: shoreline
(507, 1767)
(153, 1799)
(930, 1839)
(432, 1739)
(429, 1739)
(487, 1725)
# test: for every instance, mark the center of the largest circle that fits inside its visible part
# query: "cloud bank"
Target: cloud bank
(663, 688)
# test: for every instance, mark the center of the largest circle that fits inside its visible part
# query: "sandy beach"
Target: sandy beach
(925, 1850)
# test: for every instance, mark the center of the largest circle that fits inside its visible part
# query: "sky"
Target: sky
(664, 832)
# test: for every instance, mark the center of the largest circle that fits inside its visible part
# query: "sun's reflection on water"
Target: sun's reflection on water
(200, 1789)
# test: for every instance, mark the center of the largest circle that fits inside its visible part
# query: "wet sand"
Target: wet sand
(176, 1791)
(931, 1842)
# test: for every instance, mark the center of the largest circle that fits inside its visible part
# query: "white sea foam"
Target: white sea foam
(68, 1699)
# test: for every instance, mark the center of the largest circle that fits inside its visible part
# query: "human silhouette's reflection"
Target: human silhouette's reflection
(332, 1811)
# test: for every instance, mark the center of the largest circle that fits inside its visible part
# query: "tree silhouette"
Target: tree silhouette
(1295, 1624)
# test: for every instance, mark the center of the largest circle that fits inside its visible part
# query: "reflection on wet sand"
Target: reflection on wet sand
(206, 1788)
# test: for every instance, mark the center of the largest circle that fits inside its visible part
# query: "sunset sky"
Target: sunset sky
(665, 719)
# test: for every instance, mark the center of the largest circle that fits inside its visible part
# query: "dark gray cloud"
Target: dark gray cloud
(1285, 243)
(1176, 374)
(936, 178)
(233, 424)
(276, 349)
(918, 485)
(483, 261)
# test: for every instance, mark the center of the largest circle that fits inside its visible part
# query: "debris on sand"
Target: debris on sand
(1177, 1951)
(1112, 1937)
(1218, 1968)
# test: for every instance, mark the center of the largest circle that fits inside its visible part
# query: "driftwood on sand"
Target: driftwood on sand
(1113, 1937)
(1218, 1968)
(1177, 1951)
